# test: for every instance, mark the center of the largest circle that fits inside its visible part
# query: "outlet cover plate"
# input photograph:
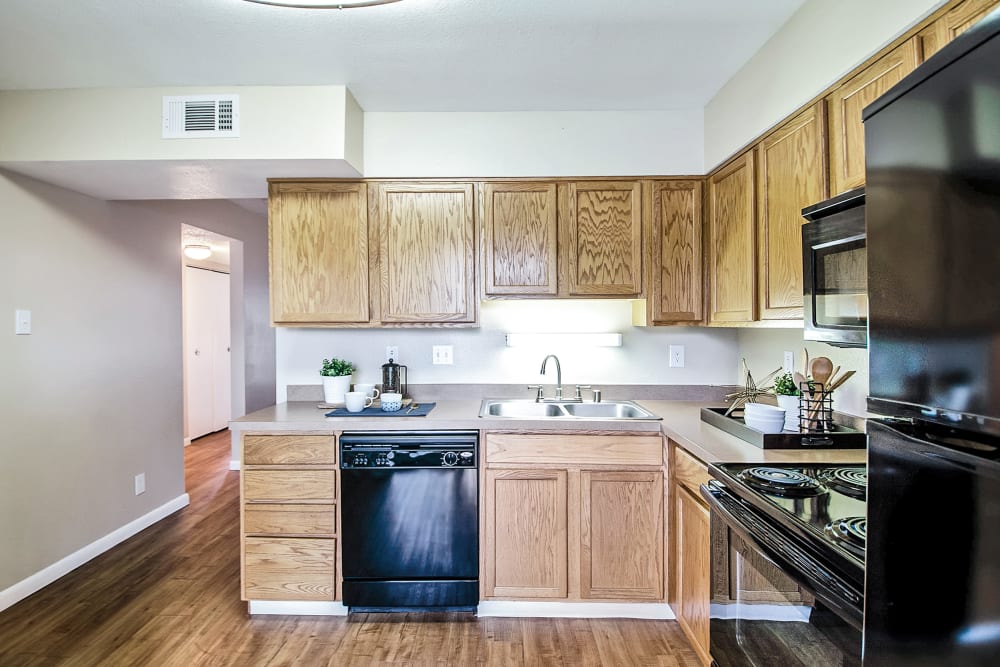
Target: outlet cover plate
(677, 356)
(392, 352)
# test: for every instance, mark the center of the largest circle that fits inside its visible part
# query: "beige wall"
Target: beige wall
(286, 122)
(822, 41)
(93, 396)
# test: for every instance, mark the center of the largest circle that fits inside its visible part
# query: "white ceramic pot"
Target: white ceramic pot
(791, 406)
(334, 388)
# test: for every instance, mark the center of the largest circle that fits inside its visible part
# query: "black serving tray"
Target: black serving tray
(841, 437)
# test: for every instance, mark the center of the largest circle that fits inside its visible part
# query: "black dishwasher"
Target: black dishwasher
(410, 519)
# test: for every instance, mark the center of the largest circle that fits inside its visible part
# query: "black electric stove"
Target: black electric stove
(824, 504)
(803, 529)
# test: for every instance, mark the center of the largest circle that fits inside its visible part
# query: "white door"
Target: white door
(206, 350)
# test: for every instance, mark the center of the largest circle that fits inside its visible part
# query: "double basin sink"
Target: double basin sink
(529, 409)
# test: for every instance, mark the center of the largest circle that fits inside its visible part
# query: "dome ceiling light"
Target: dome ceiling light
(197, 251)
(322, 4)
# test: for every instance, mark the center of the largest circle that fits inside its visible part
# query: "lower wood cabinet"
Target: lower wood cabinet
(558, 526)
(288, 517)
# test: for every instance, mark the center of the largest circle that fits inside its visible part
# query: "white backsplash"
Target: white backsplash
(481, 355)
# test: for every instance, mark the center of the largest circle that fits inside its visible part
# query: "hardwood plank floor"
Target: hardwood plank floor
(170, 596)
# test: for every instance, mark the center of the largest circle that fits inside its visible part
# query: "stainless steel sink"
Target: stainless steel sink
(511, 408)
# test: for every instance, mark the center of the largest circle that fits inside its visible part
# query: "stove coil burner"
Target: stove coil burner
(851, 531)
(849, 481)
(790, 483)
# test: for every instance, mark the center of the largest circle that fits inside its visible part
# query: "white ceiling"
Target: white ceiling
(414, 55)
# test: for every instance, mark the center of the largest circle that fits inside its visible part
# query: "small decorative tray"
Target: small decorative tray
(841, 437)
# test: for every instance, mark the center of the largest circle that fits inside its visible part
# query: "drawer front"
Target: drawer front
(616, 450)
(289, 485)
(289, 569)
(689, 471)
(290, 519)
(289, 449)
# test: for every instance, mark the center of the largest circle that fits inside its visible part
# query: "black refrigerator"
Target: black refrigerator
(932, 572)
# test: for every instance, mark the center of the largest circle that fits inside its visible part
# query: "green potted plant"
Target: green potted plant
(336, 379)
(787, 393)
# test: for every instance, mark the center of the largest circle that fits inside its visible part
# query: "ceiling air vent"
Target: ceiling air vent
(201, 116)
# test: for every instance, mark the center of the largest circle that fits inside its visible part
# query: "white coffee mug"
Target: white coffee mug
(356, 401)
(391, 402)
(368, 389)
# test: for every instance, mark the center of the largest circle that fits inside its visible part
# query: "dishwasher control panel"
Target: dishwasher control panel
(436, 449)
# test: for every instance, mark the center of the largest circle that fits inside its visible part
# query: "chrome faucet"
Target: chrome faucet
(558, 374)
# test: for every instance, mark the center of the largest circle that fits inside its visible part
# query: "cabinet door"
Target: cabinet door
(791, 174)
(847, 136)
(693, 570)
(731, 269)
(318, 237)
(674, 251)
(519, 238)
(602, 251)
(621, 541)
(951, 25)
(427, 252)
(525, 533)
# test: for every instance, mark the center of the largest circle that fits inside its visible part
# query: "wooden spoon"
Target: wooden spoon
(821, 369)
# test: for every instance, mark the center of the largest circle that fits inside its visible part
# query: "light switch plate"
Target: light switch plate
(22, 322)
(677, 356)
(443, 355)
(140, 483)
(789, 363)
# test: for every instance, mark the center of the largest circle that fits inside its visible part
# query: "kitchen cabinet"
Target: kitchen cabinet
(288, 517)
(692, 551)
(561, 522)
(847, 138)
(427, 241)
(601, 238)
(520, 222)
(791, 174)
(319, 253)
(674, 252)
(732, 271)
(956, 21)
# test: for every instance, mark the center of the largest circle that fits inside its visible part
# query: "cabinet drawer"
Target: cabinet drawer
(690, 472)
(569, 450)
(290, 519)
(289, 449)
(284, 485)
(289, 569)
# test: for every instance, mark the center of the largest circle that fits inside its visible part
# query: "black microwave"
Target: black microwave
(835, 271)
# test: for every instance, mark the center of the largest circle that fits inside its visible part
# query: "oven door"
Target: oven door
(773, 603)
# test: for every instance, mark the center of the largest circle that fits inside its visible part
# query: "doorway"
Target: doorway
(207, 325)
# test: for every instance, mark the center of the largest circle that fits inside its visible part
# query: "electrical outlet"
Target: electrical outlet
(789, 364)
(392, 352)
(140, 483)
(442, 355)
(677, 356)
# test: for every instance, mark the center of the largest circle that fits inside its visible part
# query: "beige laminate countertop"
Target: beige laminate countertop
(681, 423)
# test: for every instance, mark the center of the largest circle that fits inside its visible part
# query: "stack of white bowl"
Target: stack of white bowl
(764, 418)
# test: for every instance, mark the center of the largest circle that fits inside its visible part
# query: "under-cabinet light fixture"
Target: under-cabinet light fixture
(322, 4)
(197, 251)
(564, 339)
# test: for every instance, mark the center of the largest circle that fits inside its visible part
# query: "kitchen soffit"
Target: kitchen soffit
(416, 55)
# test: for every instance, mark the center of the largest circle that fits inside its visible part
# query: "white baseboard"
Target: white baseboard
(22, 589)
(297, 608)
(187, 441)
(651, 610)
(234, 464)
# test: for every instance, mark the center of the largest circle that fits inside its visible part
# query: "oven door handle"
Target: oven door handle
(789, 556)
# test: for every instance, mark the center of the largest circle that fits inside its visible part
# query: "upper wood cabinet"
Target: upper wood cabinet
(519, 238)
(731, 239)
(791, 174)
(427, 267)
(674, 252)
(601, 243)
(847, 137)
(318, 236)
(952, 24)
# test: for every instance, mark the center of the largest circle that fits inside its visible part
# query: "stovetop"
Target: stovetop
(824, 503)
